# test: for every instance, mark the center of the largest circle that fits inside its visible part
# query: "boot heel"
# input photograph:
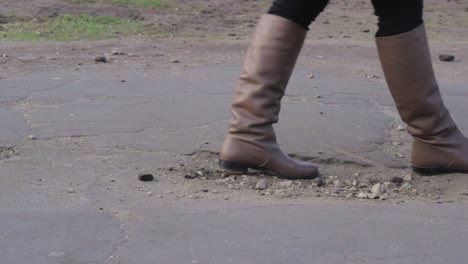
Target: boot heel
(429, 171)
(233, 166)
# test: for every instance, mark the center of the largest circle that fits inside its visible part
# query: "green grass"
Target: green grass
(137, 3)
(141, 3)
(69, 27)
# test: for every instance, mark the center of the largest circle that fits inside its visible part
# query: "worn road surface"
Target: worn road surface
(73, 142)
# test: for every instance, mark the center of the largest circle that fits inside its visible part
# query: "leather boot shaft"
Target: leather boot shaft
(407, 65)
(269, 62)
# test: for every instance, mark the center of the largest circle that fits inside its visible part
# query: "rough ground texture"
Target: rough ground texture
(75, 134)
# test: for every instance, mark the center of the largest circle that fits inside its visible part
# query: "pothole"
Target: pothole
(198, 176)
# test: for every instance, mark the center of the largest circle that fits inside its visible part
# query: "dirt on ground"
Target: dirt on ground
(216, 32)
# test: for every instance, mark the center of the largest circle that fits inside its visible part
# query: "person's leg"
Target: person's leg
(269, 62)
(438, 146)
(397, 16)
(302, 12)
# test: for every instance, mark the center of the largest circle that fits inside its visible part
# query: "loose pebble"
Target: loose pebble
(285, 184)
(397, 180)
(145, 177)
(362, 195)
(446, 57)
(408, 177)
(100, 59)
(261, 185)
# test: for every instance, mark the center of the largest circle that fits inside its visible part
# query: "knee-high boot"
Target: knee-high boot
(438, 146)
(251, 141)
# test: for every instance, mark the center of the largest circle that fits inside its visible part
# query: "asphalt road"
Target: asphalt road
(97, 128)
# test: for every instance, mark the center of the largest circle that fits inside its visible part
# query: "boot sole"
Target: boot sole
(242, 167)
(436, 171)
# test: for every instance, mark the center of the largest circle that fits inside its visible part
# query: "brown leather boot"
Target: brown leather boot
(439, 146)
(251, 141)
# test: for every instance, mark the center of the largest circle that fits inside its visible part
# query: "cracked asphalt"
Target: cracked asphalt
(70, 194)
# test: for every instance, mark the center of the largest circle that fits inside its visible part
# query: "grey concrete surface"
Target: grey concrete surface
(95, 133)
(178, 111)
(207, 232)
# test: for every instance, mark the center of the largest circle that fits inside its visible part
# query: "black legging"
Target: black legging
(395, 16)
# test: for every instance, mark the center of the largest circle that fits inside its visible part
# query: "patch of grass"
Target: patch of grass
(141, 3)
(137, 3)
(70, 27)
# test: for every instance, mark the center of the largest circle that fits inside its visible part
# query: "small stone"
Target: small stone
(145, 177)
(71, 190)
(363, 185)
(376, 188)
(285, 184)
(362, 195)
(384, 197)
(32, 137)
(408, 177)
(446, 57)
(319, 181)
(205, 190)
(215, 191)
(388, 186)
(200, 173)
(366, 31)
(175, 61)
(335, 190)
(375, 191)
(190, 176)
(261, 185)
(401, 128)
(123, 81)
(311, 76)
(405, 187)
(100, 59)
(338, 184)
(397, 180)
(116, 52)
(355, 183)
(149, 193)
(318, 96)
